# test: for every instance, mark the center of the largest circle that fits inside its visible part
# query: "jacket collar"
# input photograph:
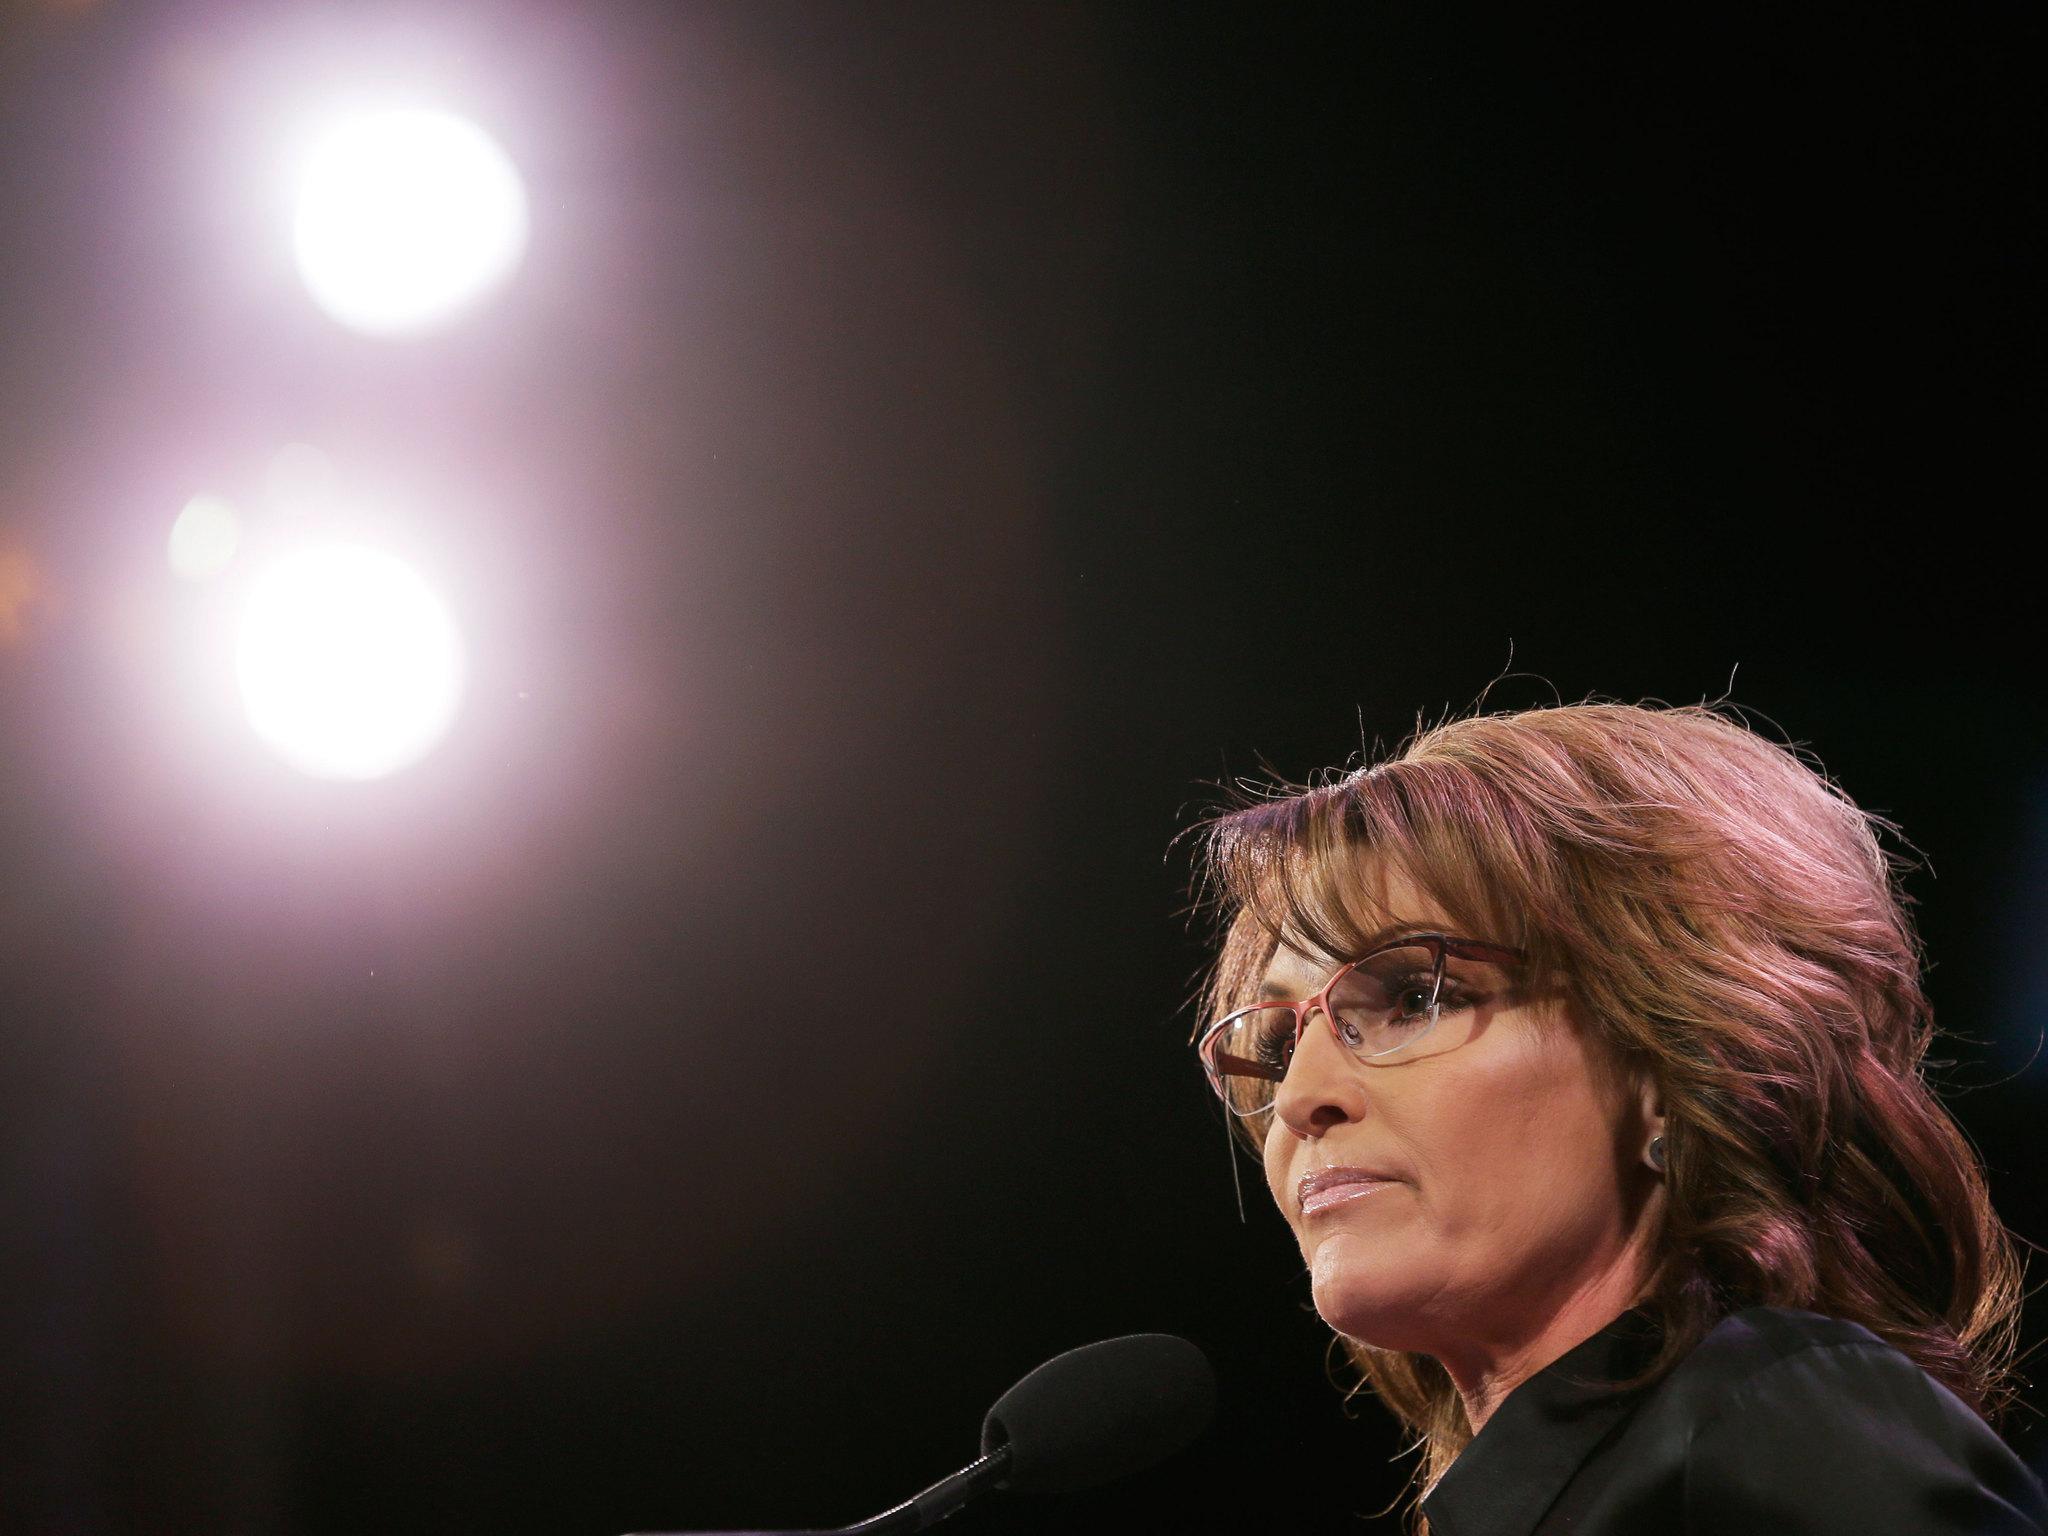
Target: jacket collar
(1542, 1432)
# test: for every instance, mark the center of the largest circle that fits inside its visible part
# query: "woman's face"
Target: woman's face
(1515, 1188)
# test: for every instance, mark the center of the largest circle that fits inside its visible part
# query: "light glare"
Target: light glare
(204, 538)
(300, 480)
(406, 218)
(350, 667)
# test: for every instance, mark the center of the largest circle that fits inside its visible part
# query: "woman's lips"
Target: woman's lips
(1320, 1191)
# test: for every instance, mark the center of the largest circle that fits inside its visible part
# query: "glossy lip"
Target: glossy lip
(1331, 1179)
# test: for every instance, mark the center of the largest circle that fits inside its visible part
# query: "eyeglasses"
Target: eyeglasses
(1381, 1005)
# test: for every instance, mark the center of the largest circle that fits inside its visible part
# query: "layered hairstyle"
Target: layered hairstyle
(1723, 918)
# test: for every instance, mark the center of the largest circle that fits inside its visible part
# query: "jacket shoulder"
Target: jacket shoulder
(1750, 1348)
(1798, 1424)
(1810, 1424)
(1746, 1342)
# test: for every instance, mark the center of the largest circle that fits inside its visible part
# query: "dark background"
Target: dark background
(928, 449)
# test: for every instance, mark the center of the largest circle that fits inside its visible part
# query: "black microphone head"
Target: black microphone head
(1101, 1411)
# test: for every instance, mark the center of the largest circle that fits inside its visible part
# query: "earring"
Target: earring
(1655, 1156)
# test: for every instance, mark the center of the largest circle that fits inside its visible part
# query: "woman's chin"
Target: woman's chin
(1359, 1293)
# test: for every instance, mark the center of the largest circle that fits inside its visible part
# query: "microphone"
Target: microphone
(1084, 1418)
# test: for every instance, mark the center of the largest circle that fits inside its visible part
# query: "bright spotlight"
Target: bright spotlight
(203, 539)
(350, 666)
(406, 218)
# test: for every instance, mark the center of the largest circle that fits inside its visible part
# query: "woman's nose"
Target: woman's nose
(1324, 1085)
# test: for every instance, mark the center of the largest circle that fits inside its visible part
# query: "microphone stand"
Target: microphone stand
(943, 1498)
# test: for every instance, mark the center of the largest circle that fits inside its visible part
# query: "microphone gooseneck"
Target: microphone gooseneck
(1081, 1419)
(945, 1497)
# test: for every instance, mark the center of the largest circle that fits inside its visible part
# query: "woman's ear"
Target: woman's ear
(1656, 1148)
(1650, 1097)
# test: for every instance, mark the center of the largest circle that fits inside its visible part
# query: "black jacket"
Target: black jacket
(1780, 1422)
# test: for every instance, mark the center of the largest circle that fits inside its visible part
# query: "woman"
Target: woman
(1583, 1051)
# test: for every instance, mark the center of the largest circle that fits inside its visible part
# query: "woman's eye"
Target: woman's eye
(1412, 997)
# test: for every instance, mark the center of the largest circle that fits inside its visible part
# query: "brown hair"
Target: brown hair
(1728, 921)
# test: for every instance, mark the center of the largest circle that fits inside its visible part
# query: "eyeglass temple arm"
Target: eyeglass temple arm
(1244, 1066)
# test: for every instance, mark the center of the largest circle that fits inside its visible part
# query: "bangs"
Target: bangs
(1310, 870)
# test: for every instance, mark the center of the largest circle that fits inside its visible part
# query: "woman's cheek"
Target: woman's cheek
(1277, 1163)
